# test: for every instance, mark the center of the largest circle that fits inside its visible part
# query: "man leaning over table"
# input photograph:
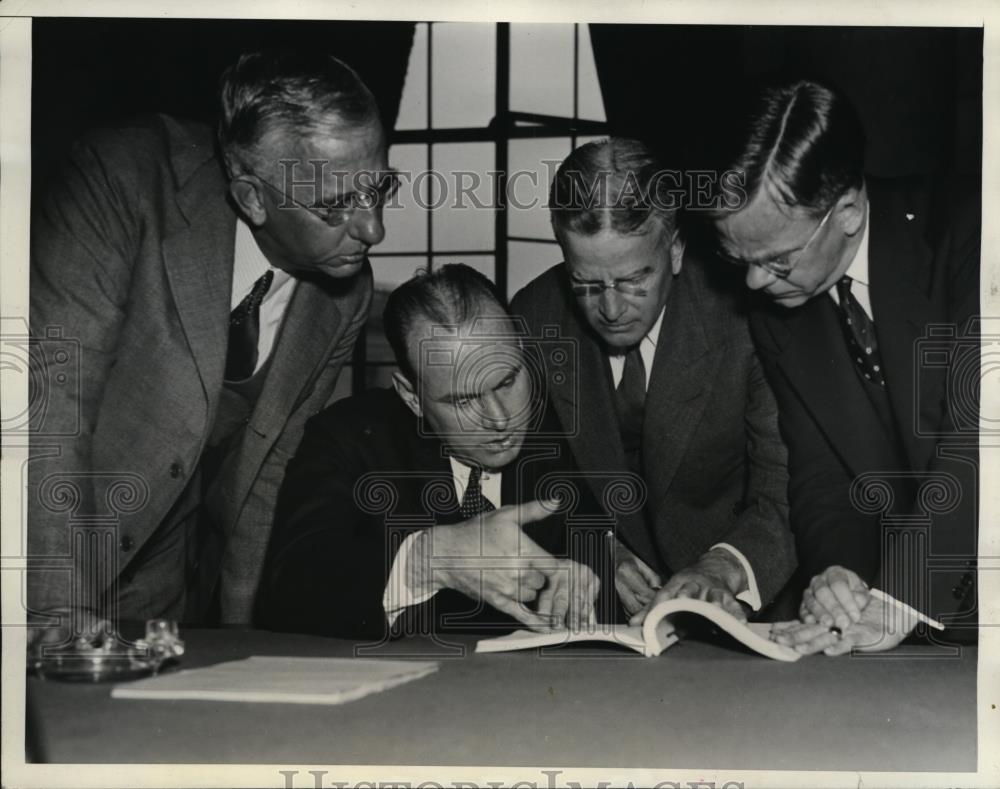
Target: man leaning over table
(427, 509)
(214, 293)
(670, 388)
(866, 319)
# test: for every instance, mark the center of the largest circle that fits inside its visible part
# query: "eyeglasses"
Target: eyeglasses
(635, 285)
(336, 214)
(589, 290)
(781, 265)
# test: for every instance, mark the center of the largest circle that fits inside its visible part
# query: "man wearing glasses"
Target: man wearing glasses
(213, 290)
(867, 328)
(671, 390)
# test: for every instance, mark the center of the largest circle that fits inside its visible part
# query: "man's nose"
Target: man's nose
(758, 277)
(366, 225)
(611, 305)
(496, 414)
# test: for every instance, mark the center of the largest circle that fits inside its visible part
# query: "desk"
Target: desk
(698, 704)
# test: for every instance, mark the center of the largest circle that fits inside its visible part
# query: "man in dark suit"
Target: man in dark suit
(670, 389)
(867, 326)
(402, 512)
(213, 298)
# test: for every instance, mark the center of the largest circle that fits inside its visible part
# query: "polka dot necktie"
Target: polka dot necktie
(244, 331)
(473, 501)
(860, 334)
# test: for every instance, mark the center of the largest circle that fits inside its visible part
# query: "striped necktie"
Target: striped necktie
(244, 331)
(630, 402)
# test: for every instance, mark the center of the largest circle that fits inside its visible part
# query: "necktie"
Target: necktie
(244, 331)
(630, 399)
(859, 332)
(473, 501)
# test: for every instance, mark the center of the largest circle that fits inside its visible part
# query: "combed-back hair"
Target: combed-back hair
(448, 296)
(803, 139)
(296, 94)
(616, 184)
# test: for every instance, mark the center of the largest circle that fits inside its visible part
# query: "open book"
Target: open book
(656, 633)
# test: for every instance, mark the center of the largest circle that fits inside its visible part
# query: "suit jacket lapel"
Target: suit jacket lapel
(813, 357)
(682, 367)
(433, 467)
(587, 412)
(311, 324)
(898, 263)
(198, 254)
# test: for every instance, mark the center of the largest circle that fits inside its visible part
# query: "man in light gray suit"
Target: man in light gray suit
(213, 290)
(670, 389)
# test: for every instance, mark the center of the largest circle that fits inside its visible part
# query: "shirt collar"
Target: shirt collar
(858, 270)
(654, 333)
(249, 265)
(651, 336)
(462, 471)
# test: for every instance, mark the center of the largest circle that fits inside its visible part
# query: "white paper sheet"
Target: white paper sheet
(288, 680)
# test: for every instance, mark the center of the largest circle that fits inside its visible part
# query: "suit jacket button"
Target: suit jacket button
(126, 543)
(175, 470)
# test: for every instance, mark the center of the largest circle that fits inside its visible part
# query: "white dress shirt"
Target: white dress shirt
(858, 272)
(249, 265)
(647, 349)
(398, 594)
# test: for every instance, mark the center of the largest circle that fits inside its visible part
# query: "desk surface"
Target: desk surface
(699, 704)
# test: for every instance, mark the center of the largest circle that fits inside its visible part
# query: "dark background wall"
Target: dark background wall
(918, 90)
(89, 71)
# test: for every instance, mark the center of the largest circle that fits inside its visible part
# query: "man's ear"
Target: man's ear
(247, 196)
(676, 252)
(406, 392)
(850, 210)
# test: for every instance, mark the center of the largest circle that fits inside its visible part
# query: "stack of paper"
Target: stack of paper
(289, 680)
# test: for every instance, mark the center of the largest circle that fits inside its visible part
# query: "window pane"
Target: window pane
(590, 104)
(464, 74)
(533, 164)
(526, 260)
(413, 104)
(405, 218)
(393, 270)
(541, 69)
(462, 201)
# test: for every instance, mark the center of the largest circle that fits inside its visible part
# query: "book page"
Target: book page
(755, 635)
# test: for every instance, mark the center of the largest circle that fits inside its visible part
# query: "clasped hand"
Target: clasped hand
(839, 613)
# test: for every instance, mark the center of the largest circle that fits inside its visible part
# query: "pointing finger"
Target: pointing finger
(537, 510)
